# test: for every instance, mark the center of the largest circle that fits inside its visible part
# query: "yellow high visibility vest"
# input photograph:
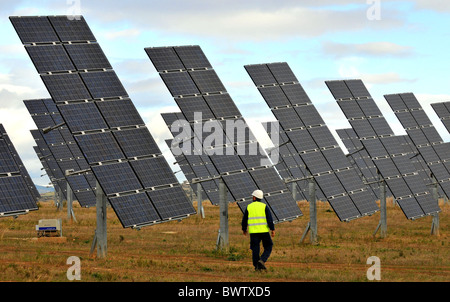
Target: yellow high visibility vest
(257, 222)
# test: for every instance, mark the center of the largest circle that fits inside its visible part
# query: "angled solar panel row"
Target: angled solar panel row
(389, 157)
(66, 152)
(424, 136)
(360, 157)
(95, 107)
(54, 171)
(290, 165)
(196, 88)
(16, 194)
(313, 141)
(193, 163)
(442, 109)
(19, 163)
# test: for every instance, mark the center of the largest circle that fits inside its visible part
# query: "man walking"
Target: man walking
(258, 220)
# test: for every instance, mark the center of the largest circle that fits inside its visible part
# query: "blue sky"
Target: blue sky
(403, 49)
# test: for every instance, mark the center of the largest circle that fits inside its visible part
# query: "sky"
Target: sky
(393, 46)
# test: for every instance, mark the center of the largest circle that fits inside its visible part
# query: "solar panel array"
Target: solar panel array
(442, 109)
(360, 157)
(49, 163)
(193, 165)
(424, 136)
(18, 194)
(197, 90)
(290, 165)
(110, 133)
(313, 141)
(404, 182)
(61, 143)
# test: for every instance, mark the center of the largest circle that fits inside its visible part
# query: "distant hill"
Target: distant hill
(42, 189)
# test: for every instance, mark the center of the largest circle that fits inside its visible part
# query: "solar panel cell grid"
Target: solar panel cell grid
(282, 72)
(66, 87)
(103, 84)
(164, 58)
(120, 113)
(99, 147)
(153, 172)
(136, 142)
(274, 96)
(116, 178)
(192, 57)
(34, 29)
(134, 209)
(87, 56)
(49, 58)
(82, 117)
(179, 83)
(207, 81)
(171, 202)
(261, 74)
(71, 29)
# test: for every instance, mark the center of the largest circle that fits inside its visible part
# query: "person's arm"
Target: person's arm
(270, 221)
(244, 222)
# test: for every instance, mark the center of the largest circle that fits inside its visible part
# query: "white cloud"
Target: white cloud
(126, 33)
(381, 49)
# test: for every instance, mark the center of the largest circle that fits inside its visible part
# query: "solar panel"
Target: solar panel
(120, 113)
(133, 209)
(17, 192)
(103, 84)
(71, 29)
(83, 117)
(65, 87)
(443, 112)
(34, 29)
(170, 203)
(375, 136)
(95, 83)
(48, 58)
(196, 77)
(99, 147)
(313, 140)
(87, 56)
(147, 168)
(421, 131)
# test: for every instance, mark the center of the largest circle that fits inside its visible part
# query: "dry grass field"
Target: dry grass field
(185, 251)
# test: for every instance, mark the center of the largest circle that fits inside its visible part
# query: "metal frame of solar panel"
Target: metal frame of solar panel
(379, 140)
(17, 197)
(194, 165)
(424, 136)
(190, 77)
(46, 114)
(54, 171)
(114, 141)
(313, 141)
(442, 110)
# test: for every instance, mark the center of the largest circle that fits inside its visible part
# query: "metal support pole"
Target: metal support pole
(312, 224)
(222, 238)
(294, 190)
(70, 213)
(435, 221)
(200, 210)
(100, 237)
(382, 225)
(60, 199)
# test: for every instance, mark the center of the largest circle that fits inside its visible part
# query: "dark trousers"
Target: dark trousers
(255, 240)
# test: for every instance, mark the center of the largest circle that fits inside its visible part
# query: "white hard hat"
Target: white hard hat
(258, 194)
